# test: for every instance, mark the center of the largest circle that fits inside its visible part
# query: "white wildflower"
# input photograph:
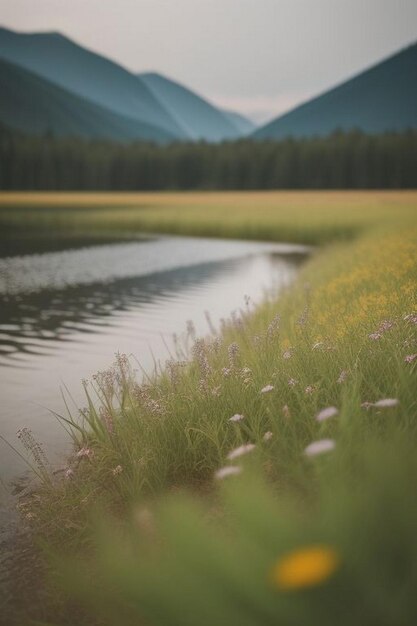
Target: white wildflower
(327, 413)
(386, 403)
(230, 470)
(240, 451)
(236, 418)
(319, 447)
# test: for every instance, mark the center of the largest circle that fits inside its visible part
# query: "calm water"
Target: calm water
(67, 307)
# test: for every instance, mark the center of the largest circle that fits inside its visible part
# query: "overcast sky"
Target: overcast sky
(259, 57)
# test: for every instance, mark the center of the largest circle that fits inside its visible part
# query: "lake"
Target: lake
(67, 306)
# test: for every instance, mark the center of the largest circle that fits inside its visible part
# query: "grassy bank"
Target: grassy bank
(301, 217)
(265, 477)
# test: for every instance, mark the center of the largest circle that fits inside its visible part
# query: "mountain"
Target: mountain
(244, 125)
(379, 99)
(35, 105)
(88, 75)
(198, 118)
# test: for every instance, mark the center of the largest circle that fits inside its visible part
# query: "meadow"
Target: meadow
(312, 217)
(266, 474)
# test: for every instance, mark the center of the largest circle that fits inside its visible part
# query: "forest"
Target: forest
(351, 160)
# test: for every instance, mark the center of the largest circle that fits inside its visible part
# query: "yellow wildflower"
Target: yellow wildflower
(306, 567)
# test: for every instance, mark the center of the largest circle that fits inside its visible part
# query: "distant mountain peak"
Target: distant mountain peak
(152, 99)
(88, 75)
(381, 98)
(33, 33)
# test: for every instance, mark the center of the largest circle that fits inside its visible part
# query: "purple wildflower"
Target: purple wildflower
(375, 336)
(273, 327)
(233, 353)
(385, 325)
(85, 452)
(343, 376)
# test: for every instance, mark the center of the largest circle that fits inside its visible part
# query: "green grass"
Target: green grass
(142, 532)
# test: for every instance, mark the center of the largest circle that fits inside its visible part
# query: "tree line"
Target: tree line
(351, 160)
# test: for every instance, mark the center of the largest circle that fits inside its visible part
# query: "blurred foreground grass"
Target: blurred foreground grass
(268, 475)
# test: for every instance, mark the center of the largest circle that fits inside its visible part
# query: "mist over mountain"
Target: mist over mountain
(70, 90)
(382, 98)
(32, 104)
(244, 125)
(155, 101)
(197, 117)
(87, 74)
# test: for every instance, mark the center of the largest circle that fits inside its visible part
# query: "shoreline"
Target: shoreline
(343, 337)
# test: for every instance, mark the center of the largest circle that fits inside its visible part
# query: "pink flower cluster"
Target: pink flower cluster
(383, 327)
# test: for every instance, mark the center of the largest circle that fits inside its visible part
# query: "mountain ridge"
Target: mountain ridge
(381, 98)
(53, 109)
(57, 58)
(151, 98)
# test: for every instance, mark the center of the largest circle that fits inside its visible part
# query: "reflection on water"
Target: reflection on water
(63, 315)
(32, 323)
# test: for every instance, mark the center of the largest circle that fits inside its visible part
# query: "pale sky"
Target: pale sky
(259, 57)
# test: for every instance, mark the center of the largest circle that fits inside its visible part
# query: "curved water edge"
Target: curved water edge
(107, 263)
(64, 314)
